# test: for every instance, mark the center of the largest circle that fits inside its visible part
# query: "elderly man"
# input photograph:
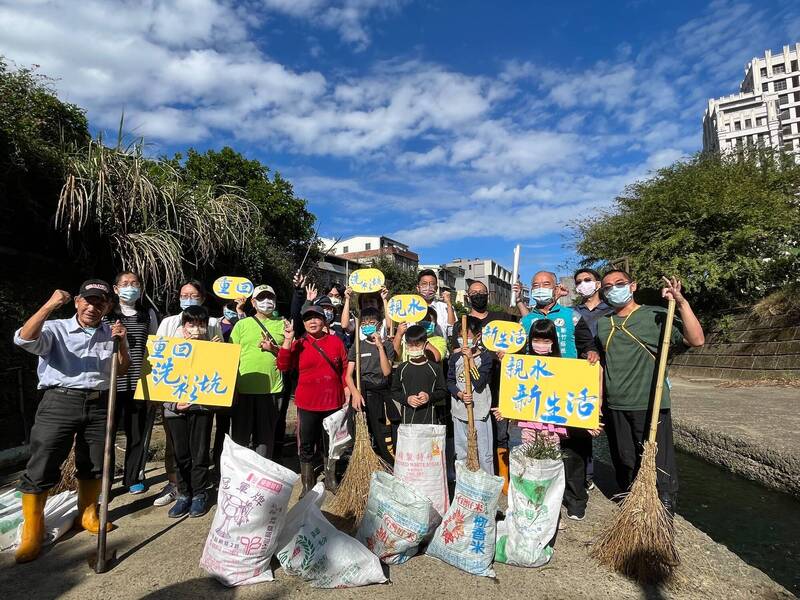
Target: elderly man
(75, 357)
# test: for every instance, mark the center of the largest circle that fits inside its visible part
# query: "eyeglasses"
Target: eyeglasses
(427, 286)
(191, 296)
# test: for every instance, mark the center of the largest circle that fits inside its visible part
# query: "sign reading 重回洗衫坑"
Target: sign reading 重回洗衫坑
(560, 391)
(193, 371)
(231, 288)
(407, 308)
(504, 336)
(364, 281)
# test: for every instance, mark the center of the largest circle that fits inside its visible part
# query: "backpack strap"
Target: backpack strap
(621, 327)
(322, 353)
(265, 330)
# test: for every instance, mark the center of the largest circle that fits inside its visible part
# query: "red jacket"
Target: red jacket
(319, 388)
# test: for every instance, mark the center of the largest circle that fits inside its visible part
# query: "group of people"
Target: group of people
(408, 374)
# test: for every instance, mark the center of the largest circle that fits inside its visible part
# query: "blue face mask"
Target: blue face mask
(619, 296)
(543, 296)
(368, 330)
(430, 327)
(129, 294)
(229, 314)
(187, 302)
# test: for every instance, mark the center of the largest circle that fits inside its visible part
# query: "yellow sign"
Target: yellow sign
(193, 371)
(561, 391)
(231, 288)
(504, 336)
(407, 308)
(365, 281)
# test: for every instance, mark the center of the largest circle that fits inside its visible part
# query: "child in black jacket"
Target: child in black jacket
(419, 385)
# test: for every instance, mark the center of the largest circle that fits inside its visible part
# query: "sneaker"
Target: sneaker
(137, 488)
(199, 506)
(167, 496)
(180, 508)
(578, 515)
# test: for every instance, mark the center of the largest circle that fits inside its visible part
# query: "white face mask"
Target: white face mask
(586, 288)
(195, 332)
(335, 300)
(416, 352)
(265, 306)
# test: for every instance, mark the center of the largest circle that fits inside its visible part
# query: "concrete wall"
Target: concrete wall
(749, 348)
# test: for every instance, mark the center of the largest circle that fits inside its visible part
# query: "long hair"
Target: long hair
(142, 314)
(544, 329)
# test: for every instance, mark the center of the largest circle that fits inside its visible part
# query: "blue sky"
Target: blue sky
(460, 128)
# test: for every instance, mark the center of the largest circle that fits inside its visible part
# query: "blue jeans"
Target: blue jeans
(485, 442)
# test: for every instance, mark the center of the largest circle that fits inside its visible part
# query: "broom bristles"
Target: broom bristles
(67, 481)
(350, 501)
(473, 464)
(640, 541)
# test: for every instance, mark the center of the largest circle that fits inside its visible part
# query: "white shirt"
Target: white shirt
(440, 306)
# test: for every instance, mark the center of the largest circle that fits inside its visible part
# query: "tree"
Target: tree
(275, 249)
(398, 280)
(728, 227)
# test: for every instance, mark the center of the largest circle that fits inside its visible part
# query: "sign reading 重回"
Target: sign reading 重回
(407, 308)
(193, 371)
(560, 391)
(364, 281)
(504, 336)
(231, 288)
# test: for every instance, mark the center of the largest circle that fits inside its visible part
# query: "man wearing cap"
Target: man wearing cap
(260, 384)
(75, 371)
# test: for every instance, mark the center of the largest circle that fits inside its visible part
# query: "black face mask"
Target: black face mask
(479, 301)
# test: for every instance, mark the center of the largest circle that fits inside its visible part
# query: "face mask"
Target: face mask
(479, 301)
(335, 300)
(187, 302)
(542, 347)
(543, 296)
(428, 294)
(368, 330)
(586, 288)
(416, 352)
(266, 306)
(461, 343)
(195, 332)
(229, 314)
(619, 296)
(430, 327)
(329, 315)
(129, 294)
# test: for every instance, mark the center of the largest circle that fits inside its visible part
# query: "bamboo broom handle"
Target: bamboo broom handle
(467, 375)
(358, 354)
(662, 369)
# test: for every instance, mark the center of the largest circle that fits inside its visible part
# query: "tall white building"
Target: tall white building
(494, 276)
(765, 112)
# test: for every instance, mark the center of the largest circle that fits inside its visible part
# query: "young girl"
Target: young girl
(189, 427)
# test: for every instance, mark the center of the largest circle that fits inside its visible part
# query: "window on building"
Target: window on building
(784, 114)
(764, 87)
(737, 125)
(367, 246)
(794, 65)
(797, 111)
(797, 96)
(788, 145)
(781, 68)
(748, 123)
(783, 100)
(786, 130)
(761, 121)
(763, 71)
(780, 85)
(345, 249)
(796, 81)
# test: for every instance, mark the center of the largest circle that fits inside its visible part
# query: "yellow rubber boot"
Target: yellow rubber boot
(502, 467)
(32, 527)
(88, 494)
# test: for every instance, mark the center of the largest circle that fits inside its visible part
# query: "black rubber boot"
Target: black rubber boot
(330, 476)
(307, 477)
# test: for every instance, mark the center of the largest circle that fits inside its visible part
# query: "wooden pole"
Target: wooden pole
(358, 354)
(101, 564)
(662, 369)
(472, 435)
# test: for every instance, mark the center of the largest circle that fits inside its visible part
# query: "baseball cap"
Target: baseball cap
(323, 301)
(314, 310)
(94, 287)
(262, 288)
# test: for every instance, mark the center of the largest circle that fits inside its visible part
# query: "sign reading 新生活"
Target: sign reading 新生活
(193, 371)
(561, 391)
(365, 281)
(231, 288)
(504, 336)
(407, 308)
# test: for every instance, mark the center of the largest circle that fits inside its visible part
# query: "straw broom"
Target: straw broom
(67, 481)
(350, 501)
(640, 542)
(472, 435)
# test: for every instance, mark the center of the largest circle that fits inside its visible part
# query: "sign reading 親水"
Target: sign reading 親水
(561, 391)
(504, 336)
(194, 371)
(364, 281)
(407, 308)
(231, 288)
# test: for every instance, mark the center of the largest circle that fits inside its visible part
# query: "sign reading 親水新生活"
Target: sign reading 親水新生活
(504, 336)
(560, 391)
(193, 371)
(364, 281)
(230, 288)
(407, 308)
